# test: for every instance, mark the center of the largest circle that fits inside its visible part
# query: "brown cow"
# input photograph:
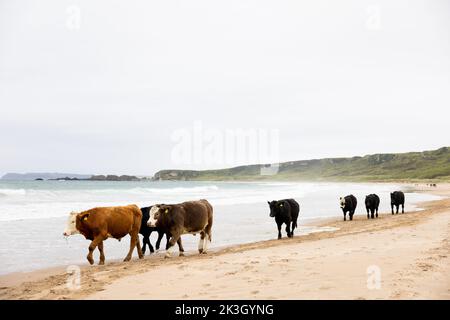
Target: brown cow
(190, 217)
(99, 224)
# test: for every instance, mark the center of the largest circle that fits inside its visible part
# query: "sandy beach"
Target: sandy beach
(404, 256)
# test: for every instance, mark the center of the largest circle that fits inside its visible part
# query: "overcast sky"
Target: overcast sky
(101, 86)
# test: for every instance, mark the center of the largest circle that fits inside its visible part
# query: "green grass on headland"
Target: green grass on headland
(411, 166)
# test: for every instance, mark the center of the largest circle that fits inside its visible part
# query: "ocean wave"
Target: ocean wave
(178, 190)
(278, 184)
(13, 192)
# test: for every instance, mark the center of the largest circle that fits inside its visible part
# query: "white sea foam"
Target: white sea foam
(12, 192)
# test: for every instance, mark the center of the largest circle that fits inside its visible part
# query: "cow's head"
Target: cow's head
(368, 200)
(342, 202)
(71, 227)
(275, 207)
(155, 212)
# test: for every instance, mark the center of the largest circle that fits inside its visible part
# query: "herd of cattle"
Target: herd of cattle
(191, 217)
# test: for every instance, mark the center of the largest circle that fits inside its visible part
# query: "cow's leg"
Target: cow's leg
(158, 242)
(397, 207)
(92, 246)
(377, 213)
(150, 246)
(392, 208)
(102, 254)
(279, 230)
(292, 228)
(201, 242)
(167, 240)
(205, 243)
(345, 216)
(372, 213)
(403, 208)
(351, 215)
(133, 243)
(368, 210)
(138, 247)
(180, 247)
(288, 229)
(144, 243)
(148, 243)
(171, 244)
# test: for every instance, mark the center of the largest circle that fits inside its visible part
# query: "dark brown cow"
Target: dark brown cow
(99, 224)
(190, 217)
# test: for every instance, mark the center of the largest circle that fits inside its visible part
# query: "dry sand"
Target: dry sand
(409, 253)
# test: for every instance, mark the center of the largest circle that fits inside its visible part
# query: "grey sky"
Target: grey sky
(337, 78)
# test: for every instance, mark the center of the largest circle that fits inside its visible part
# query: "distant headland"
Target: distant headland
(425, 165)
(55, 176)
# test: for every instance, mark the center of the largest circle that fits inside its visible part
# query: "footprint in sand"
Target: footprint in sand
(425, 266)
(247, 267)
(325, 288)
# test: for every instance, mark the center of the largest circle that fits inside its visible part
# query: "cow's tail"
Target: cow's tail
(209, 226)
(210, 219)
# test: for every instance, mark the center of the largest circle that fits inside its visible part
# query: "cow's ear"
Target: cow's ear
(84, 217)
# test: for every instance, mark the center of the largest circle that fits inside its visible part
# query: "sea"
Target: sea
(33, 214)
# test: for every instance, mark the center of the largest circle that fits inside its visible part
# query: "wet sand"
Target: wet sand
(404, 256)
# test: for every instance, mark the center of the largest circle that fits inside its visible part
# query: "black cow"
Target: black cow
(372, 203)
(146, 231)
(348, 204)
(285, 211)
(397, 199)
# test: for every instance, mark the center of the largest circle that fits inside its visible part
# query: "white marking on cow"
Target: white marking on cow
(71, 226)
(205, 243)
(342, 202)
(169, 251)
(201, 244)
(151, 220)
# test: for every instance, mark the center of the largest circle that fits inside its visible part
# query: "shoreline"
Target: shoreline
(110, 281)
(19, 277)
